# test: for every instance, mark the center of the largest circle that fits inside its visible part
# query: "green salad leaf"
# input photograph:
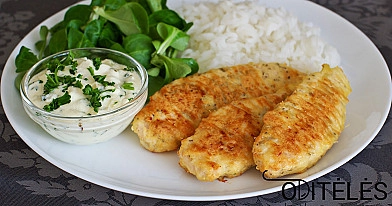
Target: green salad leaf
(131, 18)
(41, 44)
(25, 59)
(147, 30)
(140, 47)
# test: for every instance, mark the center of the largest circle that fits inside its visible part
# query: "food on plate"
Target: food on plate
(175, 111)
(147, 30)
(86, 95)
(83, 86)
(301, 129)
(222, 144)
(226, 33)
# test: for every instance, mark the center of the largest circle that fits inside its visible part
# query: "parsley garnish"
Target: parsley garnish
(68, 80)
(95, 99)
(71, 62)
(73, 69)
(129, 69)
(91, 70)
(97, 63)
(53, 80)
(78, 84)
(51, 83)
(56, 103)
(101, 79)
(53, 65)
(94, 95)
(128, 85)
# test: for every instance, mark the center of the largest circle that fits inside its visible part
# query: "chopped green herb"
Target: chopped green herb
(104, 97)
(130, 69)
(101, 79)
(53, 65)
(73, 70)
(68, 80)
(91, 70)
(56, 103)
(95, 99)
(51, 83)
(53, 80)
(69, 60)
(97, 63)
(128, 85)
(88, 90)
(78, 84)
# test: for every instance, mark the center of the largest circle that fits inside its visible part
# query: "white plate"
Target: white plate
(122, 164)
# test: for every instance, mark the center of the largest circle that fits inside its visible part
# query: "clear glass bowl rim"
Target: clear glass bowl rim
(135, 100)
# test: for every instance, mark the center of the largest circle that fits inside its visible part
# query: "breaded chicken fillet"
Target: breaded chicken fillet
(300, 130)
(222, 144)
(175, 111)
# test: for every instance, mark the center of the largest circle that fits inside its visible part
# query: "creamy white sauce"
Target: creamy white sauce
(80, 104)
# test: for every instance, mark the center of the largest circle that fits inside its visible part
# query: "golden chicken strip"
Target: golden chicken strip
(222, 144)
(175, 111)
(301, 129)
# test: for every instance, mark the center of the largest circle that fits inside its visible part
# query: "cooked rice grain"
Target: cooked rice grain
(227, 33)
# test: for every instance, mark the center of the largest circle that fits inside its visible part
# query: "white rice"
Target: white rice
(227, 33)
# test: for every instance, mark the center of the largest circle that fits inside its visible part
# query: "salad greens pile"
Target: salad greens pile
(147, 30)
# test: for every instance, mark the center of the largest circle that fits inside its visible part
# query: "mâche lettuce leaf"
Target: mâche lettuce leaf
(147, 30)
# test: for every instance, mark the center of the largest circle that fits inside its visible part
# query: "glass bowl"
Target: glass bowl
(90, 128)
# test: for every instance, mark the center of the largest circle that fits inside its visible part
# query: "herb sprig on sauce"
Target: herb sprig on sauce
(54, 81)
(56, 103)
(94, 95)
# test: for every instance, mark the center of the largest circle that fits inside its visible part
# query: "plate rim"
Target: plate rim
(63, 165)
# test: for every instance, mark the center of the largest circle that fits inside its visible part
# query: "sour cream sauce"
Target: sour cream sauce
(116, 95)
